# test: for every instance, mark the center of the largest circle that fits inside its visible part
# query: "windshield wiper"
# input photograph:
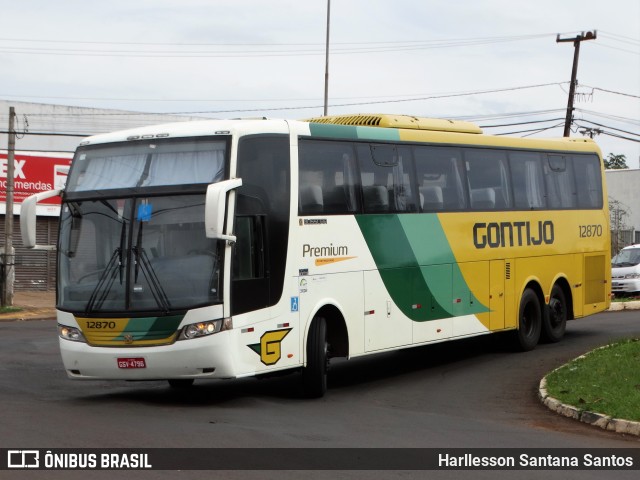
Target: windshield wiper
(142, 261)
(105, 282)
(123, 240)
(103, 287)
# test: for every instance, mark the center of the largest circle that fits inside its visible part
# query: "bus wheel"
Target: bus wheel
(529, 321)
(180, 383)
(314, 375)
(554, 322)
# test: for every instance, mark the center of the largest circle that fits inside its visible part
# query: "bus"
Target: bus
(227, 249)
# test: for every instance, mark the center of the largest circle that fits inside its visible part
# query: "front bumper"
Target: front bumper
(206, 357)
(621, 285)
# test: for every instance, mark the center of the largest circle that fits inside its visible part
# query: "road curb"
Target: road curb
(28, 315)
(592, 418)
(621, 306)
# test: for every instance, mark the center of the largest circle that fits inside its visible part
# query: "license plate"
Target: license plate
(137, 362)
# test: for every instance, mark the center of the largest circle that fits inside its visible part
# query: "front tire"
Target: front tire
(529, 322)
(554, 323)
(314, 375)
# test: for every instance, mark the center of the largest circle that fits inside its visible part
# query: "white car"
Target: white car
(625, 270)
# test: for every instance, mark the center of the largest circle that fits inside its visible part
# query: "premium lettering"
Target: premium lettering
(513, 234)
(327, 251)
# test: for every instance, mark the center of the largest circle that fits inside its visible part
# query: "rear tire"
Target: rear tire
(529, 322)
(314, 375)
(554, 323)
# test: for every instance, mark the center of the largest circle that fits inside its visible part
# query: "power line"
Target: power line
(377, 102)
(532, 122)
(520, 123)
(464, 40)
(632, 52)
(622, 137)
(387, 99)
(612, 91)
(303, 107)
(621, 38)
(617, 118)
(265, 49)
(531, 131)
(52, 134)
(611, 128)
(497, 116)
(600, 131)
(404, 97)
(43, 150)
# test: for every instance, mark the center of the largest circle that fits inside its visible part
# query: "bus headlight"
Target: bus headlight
(632, 275)
(202, 329)
(70, 333)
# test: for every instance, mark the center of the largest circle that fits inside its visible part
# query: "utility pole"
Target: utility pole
(574, 72)
(7, 284)
(326, 63)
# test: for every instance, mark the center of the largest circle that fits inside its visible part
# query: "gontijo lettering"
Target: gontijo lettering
(510, 234)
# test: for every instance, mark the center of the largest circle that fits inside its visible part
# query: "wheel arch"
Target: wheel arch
(337, 333)
(534, 284)
(563, 283)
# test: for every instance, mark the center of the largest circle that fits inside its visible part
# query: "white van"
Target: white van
(625, 270)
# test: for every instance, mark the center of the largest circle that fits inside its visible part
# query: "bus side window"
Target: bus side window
(589, 181)
(561, 189)
(249, 248)
(385, 172)
(439, 177)
(528, 182)
(262, 222)
(488, 176)
(327, 179)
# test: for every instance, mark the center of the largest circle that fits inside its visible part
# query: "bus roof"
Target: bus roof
(189, 129)
(355, 126)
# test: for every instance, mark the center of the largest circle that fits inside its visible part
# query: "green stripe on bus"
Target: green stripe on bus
(353, 133)
(417, 265)
(151, 328)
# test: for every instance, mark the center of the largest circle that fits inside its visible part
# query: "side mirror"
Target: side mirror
(214, 210)
(28, 219)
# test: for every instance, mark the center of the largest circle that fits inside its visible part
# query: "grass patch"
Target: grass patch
(606, 380)
(626, 298)
(9, 309)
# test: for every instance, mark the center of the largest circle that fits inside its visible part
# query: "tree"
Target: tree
(615, 162)
(620, 232)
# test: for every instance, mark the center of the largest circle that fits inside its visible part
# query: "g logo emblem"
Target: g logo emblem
(270, 346)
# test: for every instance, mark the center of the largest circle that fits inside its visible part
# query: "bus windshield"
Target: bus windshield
(627, 257)
(132, 233)
(143, 254)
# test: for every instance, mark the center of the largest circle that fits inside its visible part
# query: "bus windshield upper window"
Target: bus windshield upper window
(107, 167)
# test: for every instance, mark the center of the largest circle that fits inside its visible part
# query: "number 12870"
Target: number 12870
(587, 231)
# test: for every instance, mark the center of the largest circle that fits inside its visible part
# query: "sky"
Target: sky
(494, 62)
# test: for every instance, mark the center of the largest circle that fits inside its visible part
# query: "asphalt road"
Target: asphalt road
(471, 393)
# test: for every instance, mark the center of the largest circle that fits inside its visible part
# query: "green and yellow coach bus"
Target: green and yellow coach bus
(226, 249)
